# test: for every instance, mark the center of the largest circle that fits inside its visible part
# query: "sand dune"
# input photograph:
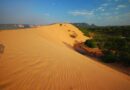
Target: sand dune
(42, 59)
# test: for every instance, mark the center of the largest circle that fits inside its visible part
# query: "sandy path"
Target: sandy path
(36, 61)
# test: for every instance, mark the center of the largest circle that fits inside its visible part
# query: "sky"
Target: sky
(99, 12)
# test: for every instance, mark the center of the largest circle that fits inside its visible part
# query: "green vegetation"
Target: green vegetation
(109, 57)
(114, 41)
(91, 43)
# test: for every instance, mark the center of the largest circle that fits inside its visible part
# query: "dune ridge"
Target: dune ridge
(42, 59)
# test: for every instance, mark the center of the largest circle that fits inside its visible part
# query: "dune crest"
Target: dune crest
(42, 59)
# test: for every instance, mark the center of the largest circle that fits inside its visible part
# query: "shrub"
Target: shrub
(109, 57)
(73, 35)
(125, 58)
(60, 24)
(91, 43)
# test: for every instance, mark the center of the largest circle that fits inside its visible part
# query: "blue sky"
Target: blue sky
(99, 12)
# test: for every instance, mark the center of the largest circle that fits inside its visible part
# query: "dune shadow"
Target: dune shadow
(68, 45)
(78, 47)
(78, 50)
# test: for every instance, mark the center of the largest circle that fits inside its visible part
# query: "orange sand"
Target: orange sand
(41, 59)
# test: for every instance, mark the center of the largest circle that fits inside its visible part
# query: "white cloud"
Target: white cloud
(120, 19)
(100, 9)
(105, 4)
(82, 13)
(121, 6)
(105, 12)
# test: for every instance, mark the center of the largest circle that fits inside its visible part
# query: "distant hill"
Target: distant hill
(84, 25)
(14, 26)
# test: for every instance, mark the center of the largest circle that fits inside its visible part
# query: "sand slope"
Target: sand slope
(42, 59)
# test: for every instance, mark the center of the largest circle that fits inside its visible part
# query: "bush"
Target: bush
(91, 43)
(125, 58)
(60, 24)
(109, 57)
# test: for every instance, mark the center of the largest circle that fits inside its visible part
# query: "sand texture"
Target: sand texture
(42, 58)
